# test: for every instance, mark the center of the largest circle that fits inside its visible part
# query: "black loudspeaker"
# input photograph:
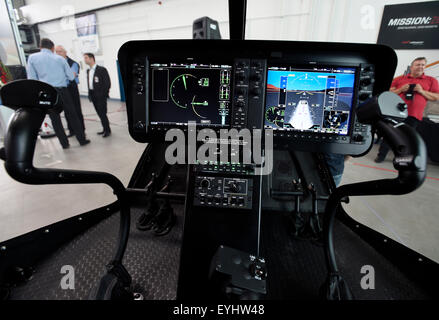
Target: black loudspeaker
(205, 28)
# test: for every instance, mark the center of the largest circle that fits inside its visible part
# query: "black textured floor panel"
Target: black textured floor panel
(151, 261)
(297, 268)
(390, 283)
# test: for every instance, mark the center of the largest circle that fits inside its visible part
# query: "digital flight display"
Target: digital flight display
(183, 92)
(309, 100)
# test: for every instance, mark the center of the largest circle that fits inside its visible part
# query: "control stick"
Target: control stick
(410, 161)
(32, 100)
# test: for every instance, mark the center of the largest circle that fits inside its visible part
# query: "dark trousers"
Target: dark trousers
(100, 104)
(384, 147)
(74, 93)
(335, 164)
(58, 128)
(69, 110)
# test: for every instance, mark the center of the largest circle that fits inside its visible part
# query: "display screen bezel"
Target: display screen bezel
(152, 63)
(315, 67)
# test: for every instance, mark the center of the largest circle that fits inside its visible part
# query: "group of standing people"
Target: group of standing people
(53, 66)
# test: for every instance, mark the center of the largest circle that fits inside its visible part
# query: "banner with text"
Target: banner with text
(410, 26)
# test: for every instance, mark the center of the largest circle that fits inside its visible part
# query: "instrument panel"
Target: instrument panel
(305, 92)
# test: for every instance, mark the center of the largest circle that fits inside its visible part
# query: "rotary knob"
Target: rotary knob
(364, 96)
(240, 103)
(240, 76)
(256, 77)
(204, 183)
(357, 138)
(233, 187)
(365, 81)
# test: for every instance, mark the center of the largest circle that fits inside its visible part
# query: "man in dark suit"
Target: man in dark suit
(99, 83)
(72, 86)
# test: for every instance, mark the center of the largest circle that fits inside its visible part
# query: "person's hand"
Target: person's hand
(404, 88)
(418, 88)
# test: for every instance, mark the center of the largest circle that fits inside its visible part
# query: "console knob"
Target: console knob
(357, 137)
(364, 96)
(365, 81)
(234, 188)
(255, 91)
(139, 72)
(239, 103)
(240, 76)
(256, 77)
(258, 269)
(204, 183)
(240, 91)
(140, 125)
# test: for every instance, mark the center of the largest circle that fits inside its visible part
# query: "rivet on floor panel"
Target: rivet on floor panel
(80, 219)
(420, 260)
(385, 240)
(46, 231)
(3, 248)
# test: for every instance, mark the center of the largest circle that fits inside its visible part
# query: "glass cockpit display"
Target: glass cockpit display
(309, 100)
(182, 92)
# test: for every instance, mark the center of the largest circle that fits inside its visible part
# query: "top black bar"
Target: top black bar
(237, 16)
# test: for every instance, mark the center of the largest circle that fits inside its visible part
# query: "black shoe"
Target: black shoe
(83, 143)
(70, 135)
(164, 221)
(106, 134)
(146, 219)
(100, 132)
(66, 146)
(379, 159)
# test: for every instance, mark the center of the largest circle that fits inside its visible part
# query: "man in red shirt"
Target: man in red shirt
(415, 89)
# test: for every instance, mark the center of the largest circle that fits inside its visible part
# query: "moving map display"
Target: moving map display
(313, 100)
(182, 92)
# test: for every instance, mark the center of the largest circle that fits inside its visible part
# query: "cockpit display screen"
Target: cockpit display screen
(316, 99)
(183, 92)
